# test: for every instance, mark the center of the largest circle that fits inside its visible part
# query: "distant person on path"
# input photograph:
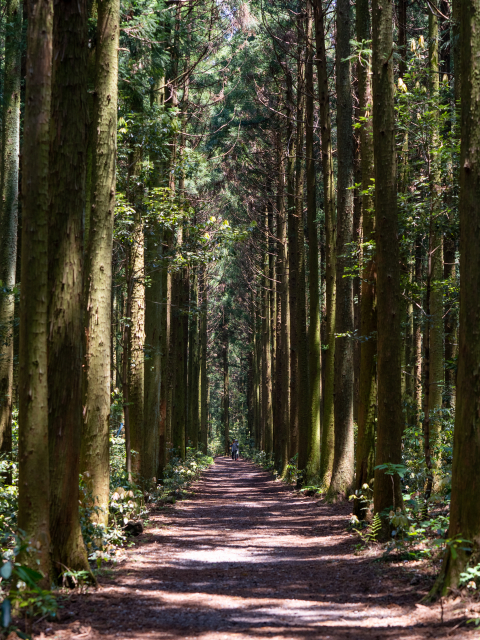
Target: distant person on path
(235, 450)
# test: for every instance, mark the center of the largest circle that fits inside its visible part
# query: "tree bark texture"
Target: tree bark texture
(153, 352)
(98, 269)
(314, 354)
(136, 368)
(390, 411)
(203, 364)
(343, 462)
(465, 507)
(226, 391)
(33, 482)
(450, 324)
(328, 432)
(194, 363)
(292, 267)
(178, 340)
(435, 319)
(165, 342)
(9, 211)
(301, 316)
(266, 351)
(365, 454)
(68, 143)
(282, 359)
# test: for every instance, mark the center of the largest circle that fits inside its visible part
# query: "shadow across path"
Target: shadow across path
(249, 558)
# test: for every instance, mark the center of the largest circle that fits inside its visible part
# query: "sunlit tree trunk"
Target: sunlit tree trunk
(153, 457)
(98, 269)
(418, 338)
(267, 406)
(450, 325)
(136, 368)
(125, 368)
(194, 362)
(203, 363)
(390, 412)
(365, 454)
(33, 482)
(282, 360)
(343, 462)
(314, 355)
(226, 390)
(328, 433)
(272, 325)
(465, 507)
(435, 319)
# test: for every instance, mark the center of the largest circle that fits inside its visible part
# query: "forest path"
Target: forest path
(249, 558)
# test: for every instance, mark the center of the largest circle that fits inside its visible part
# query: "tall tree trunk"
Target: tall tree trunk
(194, 363)
(178, 339)
(435, 318)
(33, 481)
(314, 354)
(427, 427)
(153, 352)
(98, 269)
(292, 267)
(358, 244)
(272, 325)
(203, 363)
(226, 391)
(258, 372)
(450, 325)
(390, 413)
(266, 346)
(154, 433)
(9, 211)
(328, 433)
(450, 239)
(402, 36)
(68, 141)
(136, 369)
(365, 459)
(282, 359)
(465, 507)
(165, 341)
(417, 340)
(343, 462)
(301, 316)
(125, 369)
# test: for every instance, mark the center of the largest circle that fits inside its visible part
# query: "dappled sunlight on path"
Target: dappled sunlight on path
(250, 558)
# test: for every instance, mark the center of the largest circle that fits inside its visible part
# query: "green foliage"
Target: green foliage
(370, 534)
(391, 469)
(20, 587)
(470, 578)
(365, 497)
(179, 474)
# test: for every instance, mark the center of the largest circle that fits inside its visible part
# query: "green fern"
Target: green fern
(375, 528)
(371, 535)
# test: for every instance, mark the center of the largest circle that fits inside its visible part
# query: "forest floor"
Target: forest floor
(247, 557)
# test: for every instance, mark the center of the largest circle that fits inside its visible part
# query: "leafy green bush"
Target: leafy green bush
(178, 474)
(20, 588)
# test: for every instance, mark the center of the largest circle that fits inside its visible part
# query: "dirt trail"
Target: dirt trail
(249, 558)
